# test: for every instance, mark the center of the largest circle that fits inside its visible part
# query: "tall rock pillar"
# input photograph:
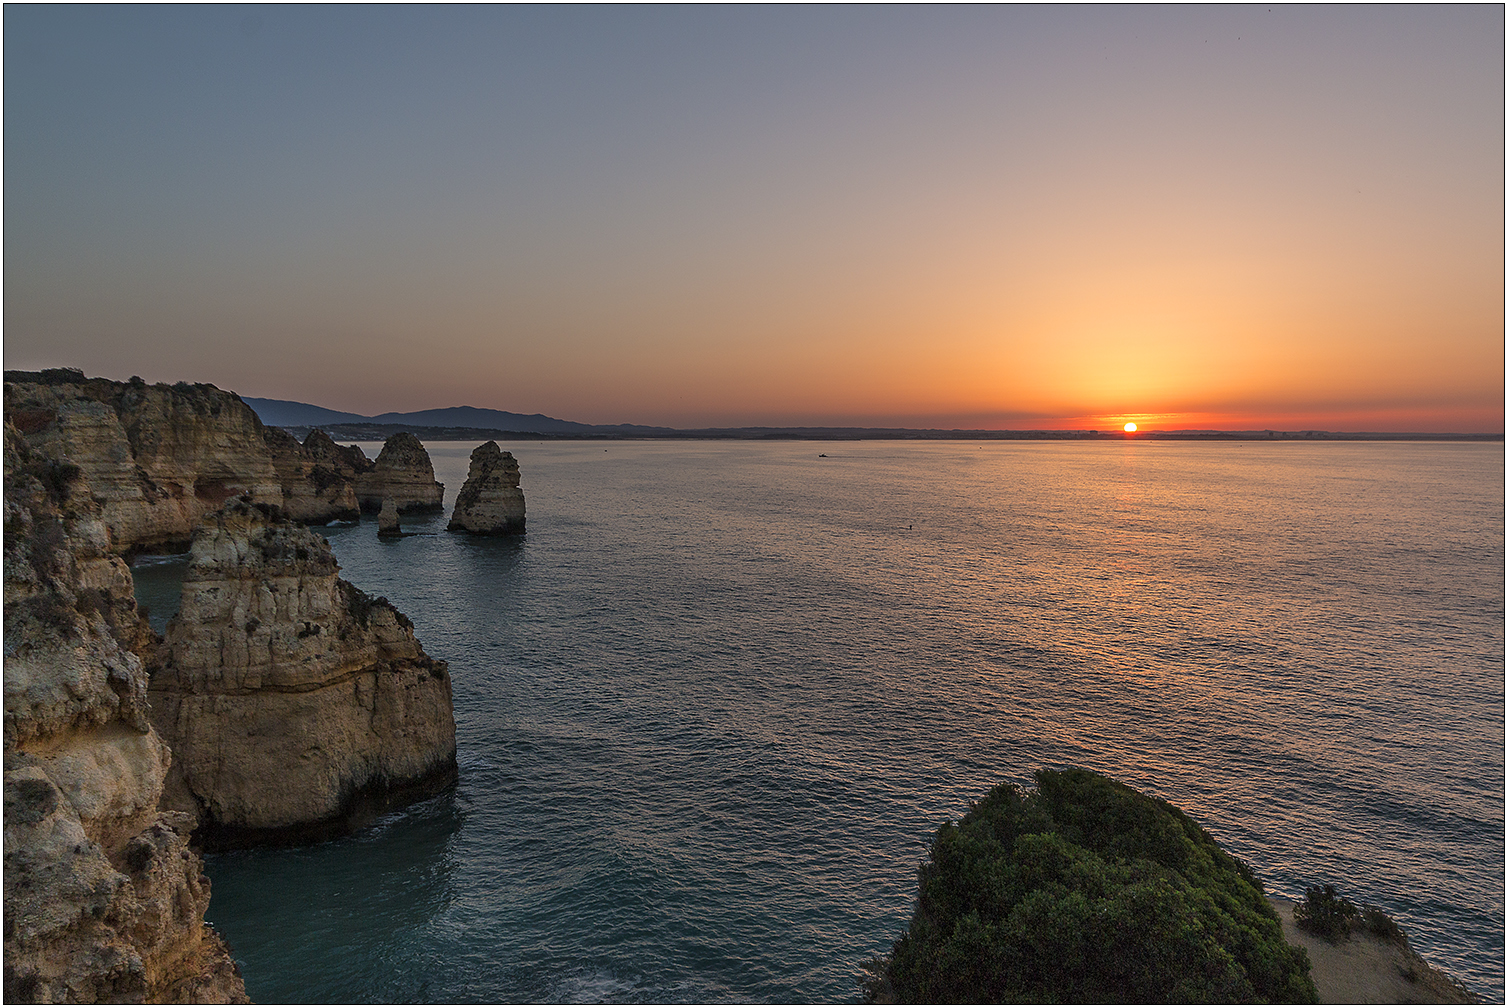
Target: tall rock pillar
(491, 502)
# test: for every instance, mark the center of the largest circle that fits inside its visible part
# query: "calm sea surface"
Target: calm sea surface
(713, 705)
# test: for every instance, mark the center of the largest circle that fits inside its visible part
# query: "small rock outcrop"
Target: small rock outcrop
(297, 707)
(403, 472)
(491, 502)
(158, 457)
(387, 519)
(104, 898)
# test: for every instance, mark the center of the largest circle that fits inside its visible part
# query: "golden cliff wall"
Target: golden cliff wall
(159, 457)
(104, 899)
(296, 706)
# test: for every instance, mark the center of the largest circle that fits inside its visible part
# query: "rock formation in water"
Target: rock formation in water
(296, 706)
(104, 899)
(158, 457)
(490, 503)
(403, 472)
(387, 519)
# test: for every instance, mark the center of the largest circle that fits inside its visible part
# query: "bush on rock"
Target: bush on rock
(1084, 890)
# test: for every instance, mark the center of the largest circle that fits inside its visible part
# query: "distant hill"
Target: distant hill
(286, 413)
(283, 413)
(472, 416)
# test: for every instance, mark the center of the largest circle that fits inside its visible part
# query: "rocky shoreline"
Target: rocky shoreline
(283, 705)
(104, 897)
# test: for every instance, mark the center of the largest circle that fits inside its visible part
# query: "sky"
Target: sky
(994, 217)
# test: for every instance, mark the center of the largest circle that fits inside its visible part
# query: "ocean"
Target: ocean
(711, 708)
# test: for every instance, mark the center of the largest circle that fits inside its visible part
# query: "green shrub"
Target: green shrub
(1326, 913)
(1084, 890)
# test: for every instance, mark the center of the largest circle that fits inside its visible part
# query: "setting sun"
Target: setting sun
(1130, 427)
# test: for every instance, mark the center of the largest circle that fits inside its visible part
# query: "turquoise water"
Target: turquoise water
(712, 706)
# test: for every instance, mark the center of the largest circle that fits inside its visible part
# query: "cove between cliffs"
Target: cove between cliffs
(279, 704)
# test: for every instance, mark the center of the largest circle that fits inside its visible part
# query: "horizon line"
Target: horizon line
(1112, 429)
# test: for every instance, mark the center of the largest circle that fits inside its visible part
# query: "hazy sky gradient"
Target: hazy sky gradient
(956, 217)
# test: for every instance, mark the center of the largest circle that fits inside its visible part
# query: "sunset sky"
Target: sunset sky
(978, 217)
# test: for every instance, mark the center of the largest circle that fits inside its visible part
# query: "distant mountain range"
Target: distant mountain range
(284, 413)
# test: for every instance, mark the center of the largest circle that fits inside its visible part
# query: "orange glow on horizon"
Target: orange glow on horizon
(1077, 237)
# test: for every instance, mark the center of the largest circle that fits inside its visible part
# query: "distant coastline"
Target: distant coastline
(382, 431)
(470, 423)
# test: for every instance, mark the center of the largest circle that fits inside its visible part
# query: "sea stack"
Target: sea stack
(104, 897)
(387, 519)
(491, 502)
(297, 707)
(403, 472)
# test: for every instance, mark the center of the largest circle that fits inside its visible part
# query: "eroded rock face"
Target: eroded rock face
(490, 503)
(313, 490)
(403, 472)
(158, 457)
(296, 706)
(345, 460)
(104, 900)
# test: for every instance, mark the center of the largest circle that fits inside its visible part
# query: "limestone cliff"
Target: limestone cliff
(158, 457)
(104, 900)
(296, 706)
(403, 472)
(490, 503)
(314, 491)
(346, 461)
